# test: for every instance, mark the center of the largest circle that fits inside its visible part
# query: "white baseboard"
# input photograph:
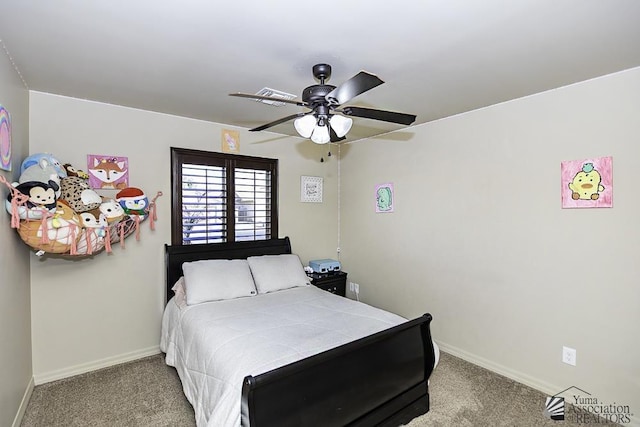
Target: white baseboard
(520, 377)
(535, 383)
(93, 366)
(23, 404)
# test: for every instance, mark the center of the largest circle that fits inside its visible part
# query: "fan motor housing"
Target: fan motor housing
(315, 95)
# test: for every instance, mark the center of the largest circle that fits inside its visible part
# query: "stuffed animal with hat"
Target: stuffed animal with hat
(133, 201)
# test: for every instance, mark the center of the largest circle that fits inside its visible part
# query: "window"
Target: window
(219, 197)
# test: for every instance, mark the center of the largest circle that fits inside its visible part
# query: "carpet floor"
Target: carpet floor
(147, 393)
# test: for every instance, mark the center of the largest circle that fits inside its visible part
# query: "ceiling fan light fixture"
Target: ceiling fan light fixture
(320, 135)
(341, 125)
(323, 99)
(305, 125)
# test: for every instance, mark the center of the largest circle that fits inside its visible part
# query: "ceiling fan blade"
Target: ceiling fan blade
(269, 98)
(334, 137)
(386, 116)
(277, 122)
(353, 87)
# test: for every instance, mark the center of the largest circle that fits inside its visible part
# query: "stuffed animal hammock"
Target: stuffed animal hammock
(60, 226)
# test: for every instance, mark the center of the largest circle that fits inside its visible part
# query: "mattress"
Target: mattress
(214, 345)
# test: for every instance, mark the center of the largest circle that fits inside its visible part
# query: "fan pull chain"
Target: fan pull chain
(328, 155)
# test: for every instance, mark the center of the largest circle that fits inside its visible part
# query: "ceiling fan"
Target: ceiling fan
(322, 124)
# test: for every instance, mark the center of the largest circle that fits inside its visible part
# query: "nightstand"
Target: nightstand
(335, 282)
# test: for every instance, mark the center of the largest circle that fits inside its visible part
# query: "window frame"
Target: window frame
(230, 162)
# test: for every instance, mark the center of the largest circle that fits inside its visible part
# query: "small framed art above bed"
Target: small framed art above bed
(255, 344)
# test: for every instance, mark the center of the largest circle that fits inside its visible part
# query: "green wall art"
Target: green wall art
(385, 198)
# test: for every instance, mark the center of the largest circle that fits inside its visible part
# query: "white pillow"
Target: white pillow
(275, 272)
(217, 279)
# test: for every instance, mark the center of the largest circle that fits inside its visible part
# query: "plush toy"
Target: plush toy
(112, 210)
(64, 215)
(94, 219)
(78, 194)
(42, 197)
(94, 225)
(40, 172)
(62, 231)
(35, 159)
(71, 171)
(133, 201)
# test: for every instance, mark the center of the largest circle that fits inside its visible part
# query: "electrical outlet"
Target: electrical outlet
(569, 355)
(351, 286)
(356, 288)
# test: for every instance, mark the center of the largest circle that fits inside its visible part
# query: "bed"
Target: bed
(296, 356)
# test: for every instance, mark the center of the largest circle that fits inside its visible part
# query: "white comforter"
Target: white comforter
(215, 345)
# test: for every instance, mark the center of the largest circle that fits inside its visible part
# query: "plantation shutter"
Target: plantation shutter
(220, 197)
(204, 204)
(253, 204)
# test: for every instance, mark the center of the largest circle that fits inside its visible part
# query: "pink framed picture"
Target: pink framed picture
(5, 139)
(108, 172)
(587, 183)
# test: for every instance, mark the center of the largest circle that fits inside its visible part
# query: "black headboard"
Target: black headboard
(174, 256)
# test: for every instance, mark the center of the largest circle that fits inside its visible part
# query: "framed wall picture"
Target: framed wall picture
(5, 139)
(311, 189)
(587, 183)
(108, 172)
(230, 140)
(384, 198)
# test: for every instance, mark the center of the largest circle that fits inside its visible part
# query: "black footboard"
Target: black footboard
(379, 379)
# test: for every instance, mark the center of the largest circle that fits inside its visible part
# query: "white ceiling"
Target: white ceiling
(437, 57)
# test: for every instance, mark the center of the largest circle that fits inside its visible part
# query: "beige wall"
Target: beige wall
(15, 311)
(94, 312)
(479, 238)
